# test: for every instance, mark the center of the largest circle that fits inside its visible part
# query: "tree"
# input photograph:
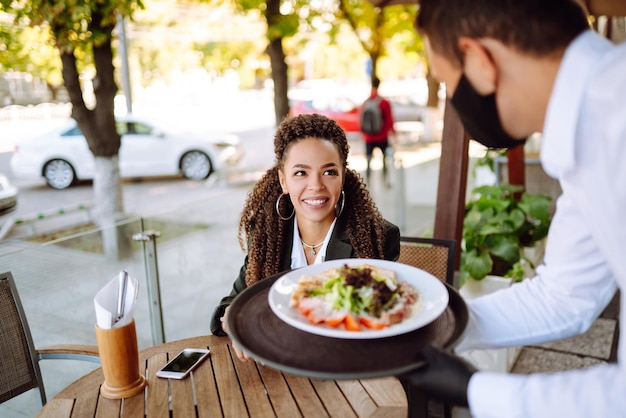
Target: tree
(282, 22)
(375, 27)
(80, 29)
(279, 26)
(28, 49)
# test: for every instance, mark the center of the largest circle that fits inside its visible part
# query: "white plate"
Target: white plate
(433, 299)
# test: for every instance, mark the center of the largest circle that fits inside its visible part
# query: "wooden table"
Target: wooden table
(223, 386)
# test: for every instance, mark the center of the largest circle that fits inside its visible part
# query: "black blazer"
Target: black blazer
(338, 247)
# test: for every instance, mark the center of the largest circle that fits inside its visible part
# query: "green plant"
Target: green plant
(498, 226)
(488, 160)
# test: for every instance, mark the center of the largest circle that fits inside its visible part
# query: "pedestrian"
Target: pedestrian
(512, 68)
(308, 208)
(376, 124)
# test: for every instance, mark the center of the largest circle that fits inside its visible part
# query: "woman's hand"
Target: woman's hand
(240, 354)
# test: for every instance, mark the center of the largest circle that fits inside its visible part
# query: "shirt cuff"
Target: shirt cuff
(495, 395)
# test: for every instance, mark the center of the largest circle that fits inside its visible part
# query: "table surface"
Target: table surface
(223, 386)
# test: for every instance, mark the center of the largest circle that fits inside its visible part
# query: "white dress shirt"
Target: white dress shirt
(584, 147)
(298, 258)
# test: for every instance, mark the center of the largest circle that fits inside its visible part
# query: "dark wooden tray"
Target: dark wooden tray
(269, 340)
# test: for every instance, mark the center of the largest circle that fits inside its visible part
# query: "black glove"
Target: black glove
(445, 377)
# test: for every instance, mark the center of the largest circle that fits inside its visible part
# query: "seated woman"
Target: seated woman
(308, 208)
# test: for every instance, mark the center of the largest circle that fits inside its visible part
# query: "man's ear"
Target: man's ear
(479, 67)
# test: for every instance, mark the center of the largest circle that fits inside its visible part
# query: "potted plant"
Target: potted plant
(500, 223)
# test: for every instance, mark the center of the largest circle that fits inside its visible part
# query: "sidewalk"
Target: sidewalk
(197, 269)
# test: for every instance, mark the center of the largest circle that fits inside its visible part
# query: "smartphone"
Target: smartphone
(183, 363)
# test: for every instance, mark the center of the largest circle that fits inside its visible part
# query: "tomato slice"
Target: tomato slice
(303, 310)
(372, 323)
(334, 322)
(351, 323)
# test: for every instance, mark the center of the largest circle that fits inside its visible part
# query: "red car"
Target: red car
(342, 110)
(346, 112)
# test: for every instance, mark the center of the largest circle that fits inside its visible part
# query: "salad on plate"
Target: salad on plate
(357, 298)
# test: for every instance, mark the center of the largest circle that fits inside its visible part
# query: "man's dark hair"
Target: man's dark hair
(375, 82)
(539, 27)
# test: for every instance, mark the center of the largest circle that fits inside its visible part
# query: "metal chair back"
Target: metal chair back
(19, 358)
(19, 367)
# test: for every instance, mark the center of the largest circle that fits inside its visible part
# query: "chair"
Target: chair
(19, 360)
(436, 256)
(433, 255)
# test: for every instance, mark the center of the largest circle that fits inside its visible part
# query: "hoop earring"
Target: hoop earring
(339, 210)
(293, 210)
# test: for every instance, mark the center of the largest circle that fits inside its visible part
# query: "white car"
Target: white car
(62, 157)
(8, 195)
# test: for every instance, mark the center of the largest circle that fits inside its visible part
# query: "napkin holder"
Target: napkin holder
(119, 357)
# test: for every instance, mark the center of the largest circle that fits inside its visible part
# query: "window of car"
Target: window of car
(132, 128)
(122, 127)
(141, 128)
(75, 131)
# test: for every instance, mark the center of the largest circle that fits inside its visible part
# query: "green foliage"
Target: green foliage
(32, 50)
(280, 25)
(283, 26)
(377, 28)
(498, 227)
(488, 160)
(73, 22)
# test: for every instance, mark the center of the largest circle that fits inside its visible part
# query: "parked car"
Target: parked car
(62, 156)
(346, 112)
(8, 194)
(342, 110)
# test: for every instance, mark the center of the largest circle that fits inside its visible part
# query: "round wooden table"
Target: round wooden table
(223, 386)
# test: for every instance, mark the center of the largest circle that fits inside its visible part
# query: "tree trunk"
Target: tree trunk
(431, 114)
(98, 126)
(279, 76)
(617, 29)
(108, 197)
(433, 90)
(278, 64)
(374, 66)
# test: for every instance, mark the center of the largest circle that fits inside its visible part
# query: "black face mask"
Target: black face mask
(480, 117)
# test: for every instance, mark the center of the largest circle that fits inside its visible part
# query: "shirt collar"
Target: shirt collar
(298, 258)
(558, 148)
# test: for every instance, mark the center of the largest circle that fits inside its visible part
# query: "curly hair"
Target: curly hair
(260, 224)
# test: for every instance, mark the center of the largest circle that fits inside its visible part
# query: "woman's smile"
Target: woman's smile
(316, 201)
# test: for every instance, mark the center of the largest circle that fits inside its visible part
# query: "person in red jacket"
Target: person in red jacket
(378, 139)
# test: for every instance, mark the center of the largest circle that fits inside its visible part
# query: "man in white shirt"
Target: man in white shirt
(512, 68)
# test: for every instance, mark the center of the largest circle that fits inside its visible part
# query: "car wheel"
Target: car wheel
(59, 174)
(196, 165)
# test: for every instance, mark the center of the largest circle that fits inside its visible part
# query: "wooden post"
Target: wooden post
(517, 168)
(450, 207)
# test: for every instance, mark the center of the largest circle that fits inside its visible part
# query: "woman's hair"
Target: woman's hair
(538, 27)
(262, 229)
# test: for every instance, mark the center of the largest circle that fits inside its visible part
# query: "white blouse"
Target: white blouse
(298, 258)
